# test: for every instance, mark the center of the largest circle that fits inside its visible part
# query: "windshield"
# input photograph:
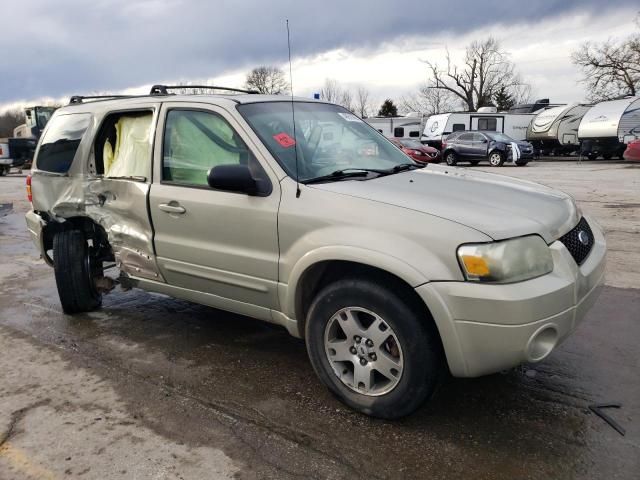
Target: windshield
(500, 137)
(328, 138)
(411, 144)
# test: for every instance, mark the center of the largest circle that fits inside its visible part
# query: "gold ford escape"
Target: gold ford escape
(391, 273)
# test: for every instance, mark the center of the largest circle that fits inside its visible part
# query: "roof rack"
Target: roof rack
(81, 98)
(164, 89)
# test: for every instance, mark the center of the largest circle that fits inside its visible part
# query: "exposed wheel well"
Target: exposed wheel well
(323, 273)
(92, 231)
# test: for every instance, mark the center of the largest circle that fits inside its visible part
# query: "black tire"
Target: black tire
(499, 155)
(417, 337)
(474, 162)
(607, 156)
(74, 272)
(451, 158)
(592, 156)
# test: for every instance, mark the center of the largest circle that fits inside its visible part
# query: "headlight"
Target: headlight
(507, 261)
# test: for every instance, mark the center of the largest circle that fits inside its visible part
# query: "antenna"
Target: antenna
(293, 113)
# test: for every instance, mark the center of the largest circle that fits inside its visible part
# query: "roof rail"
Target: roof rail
(164, 89)
(81, 98)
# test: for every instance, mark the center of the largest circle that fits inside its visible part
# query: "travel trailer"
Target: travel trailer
(555, 130)
(609, 126)
(409, 126)
(487, 119)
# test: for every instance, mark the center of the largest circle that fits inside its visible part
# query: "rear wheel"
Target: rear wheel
(496, 159)
(592, 156)
(451, 158)
(76, 268)
(374, 351)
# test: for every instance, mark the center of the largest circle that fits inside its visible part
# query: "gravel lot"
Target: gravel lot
(152, 387)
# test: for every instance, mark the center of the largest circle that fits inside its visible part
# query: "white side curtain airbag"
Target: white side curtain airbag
(131, 155)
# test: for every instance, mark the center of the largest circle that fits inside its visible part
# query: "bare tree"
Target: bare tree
(332, 92)
(362, 102)
(610, 69)
(486, 67)
(430, 101)
(9, 120)
(267, 79)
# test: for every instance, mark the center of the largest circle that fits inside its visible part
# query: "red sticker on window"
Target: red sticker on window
(284, 140)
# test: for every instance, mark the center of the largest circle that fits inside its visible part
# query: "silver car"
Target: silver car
(393, 274)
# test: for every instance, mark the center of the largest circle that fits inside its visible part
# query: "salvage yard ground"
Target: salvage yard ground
(152, 387)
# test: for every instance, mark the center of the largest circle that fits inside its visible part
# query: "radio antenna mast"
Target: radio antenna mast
(293, 113)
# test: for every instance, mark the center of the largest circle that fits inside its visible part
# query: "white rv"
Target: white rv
(409, 126)
(609, 126)
(487, 119)
(555, 130)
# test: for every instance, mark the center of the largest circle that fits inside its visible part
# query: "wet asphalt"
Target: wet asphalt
(199, 377)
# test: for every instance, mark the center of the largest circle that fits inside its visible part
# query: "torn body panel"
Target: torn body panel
(118, 206)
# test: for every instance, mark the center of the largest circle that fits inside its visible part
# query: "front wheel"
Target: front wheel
(372, 349)
(496, 159)
(451, 158)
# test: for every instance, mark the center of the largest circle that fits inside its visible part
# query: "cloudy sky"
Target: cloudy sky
(53, 49)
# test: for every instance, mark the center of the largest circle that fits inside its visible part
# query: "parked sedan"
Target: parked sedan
(419, 152)
(632, 153)
(473, 147)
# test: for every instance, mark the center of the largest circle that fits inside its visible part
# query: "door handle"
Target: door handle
(172, 207)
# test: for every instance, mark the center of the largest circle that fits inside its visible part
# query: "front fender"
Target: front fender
(394, 254)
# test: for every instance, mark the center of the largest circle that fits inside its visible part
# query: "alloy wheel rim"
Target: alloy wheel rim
(495, 159)
(363, 351)
(450, 159)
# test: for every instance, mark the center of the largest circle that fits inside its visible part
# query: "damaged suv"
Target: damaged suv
(393, 274)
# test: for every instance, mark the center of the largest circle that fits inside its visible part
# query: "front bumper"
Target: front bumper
(487, 328)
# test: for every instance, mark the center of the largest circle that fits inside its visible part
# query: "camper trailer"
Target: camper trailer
(409, 126)
(555, 130)
(609, 126)
(487, 119)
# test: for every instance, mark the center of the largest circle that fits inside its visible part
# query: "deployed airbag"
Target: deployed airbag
(131, 154)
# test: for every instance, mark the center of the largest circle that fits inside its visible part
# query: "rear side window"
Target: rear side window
(458, 127)
(490, 124)
(398, 132)
(414, 134)
(61, 141)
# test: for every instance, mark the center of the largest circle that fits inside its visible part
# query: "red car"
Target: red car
(416, 150)
(632, 153)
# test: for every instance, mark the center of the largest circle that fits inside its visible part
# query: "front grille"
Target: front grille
(579, 241)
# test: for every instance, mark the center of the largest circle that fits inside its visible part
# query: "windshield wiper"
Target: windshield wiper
(340, 175)
(361, 172)
(136, 178)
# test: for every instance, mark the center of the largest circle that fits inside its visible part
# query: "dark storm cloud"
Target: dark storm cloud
(66, 46)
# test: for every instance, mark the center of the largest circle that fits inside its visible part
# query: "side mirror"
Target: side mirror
(233, 178)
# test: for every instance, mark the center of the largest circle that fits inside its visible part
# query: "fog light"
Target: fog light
(542, 343)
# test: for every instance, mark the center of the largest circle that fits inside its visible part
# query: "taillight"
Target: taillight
(29, 195)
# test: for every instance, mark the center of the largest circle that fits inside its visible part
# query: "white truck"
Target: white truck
(18, 151)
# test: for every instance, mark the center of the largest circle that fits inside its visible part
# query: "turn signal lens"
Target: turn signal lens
(476, 266)
(29, 195)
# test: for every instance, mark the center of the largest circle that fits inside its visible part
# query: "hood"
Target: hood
(498, 206)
